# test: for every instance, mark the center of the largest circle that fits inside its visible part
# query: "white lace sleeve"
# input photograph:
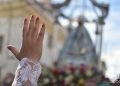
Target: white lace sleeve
(27, 73)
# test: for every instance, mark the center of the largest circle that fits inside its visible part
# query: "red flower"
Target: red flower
(55, 72)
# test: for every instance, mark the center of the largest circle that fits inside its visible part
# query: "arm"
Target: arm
(29, 68)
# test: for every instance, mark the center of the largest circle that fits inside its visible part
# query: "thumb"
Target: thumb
(13, 50)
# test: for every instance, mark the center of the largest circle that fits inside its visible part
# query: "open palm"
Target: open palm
(33, 34)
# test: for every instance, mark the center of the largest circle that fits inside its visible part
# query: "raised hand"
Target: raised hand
(33, 34)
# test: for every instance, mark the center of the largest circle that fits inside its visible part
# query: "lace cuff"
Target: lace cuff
(27, 73)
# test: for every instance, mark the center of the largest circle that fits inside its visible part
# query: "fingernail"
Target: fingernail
(25, 19)
(9, 47)
(37, 19)
(32, 16)
(43, 25)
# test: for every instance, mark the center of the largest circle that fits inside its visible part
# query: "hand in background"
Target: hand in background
(33, 34)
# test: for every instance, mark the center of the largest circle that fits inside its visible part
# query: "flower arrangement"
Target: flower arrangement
(71, 75)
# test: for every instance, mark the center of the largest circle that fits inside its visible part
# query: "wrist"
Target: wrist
(33, 60)
(30, 60)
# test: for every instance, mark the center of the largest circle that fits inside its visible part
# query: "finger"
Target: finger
(31, 25)
(41, 34)
(25, 27)
(38, 26)
(14, 51)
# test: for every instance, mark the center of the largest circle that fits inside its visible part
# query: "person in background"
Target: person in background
(29, 68)
(7, 81)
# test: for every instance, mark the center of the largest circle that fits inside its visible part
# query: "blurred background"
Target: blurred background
(81, 45)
